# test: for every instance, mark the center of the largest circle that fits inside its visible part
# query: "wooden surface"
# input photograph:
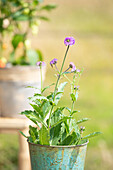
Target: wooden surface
(14, 123)
(10, 125)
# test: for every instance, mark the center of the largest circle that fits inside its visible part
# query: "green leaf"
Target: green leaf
(21, 17)
(70, 139)
(73, 127)
(92, 135)
(48, 7)
(32, 87)
(33, 131)
(48, 87)
(75, 111)
(68, 109)
(32, 57)
(82, 141)
(38, 97)
(57, 115)
(44, 136)
(40, 56)
(59, 92)
(37, 109)
(55, 134)
(16, 39)
(61, 121)
(23, 134)
(43, 18)
(82, 120)
(73, 98)
(33, 116)
(45, 107)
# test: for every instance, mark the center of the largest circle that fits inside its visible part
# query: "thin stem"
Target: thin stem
(56, 68)
(41, 78)
(54, 93)
(75, 91)
(67, 78)
(64, 59)
(66, 70)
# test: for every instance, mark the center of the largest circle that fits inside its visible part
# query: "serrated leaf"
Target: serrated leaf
(69, 139)
(38, 97)
(33, 116)
(37, 109)
(59, 92)
(92, 135)
(61, 121)
(57, 115)
(73, 126)
(82, 120)
(33, 131)
(45, 107)
(44, 136)
(55, 134)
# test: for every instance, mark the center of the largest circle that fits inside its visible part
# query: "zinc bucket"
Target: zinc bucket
(57, 157)
(13, 94)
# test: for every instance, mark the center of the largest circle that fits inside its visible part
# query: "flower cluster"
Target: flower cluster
(54, 126)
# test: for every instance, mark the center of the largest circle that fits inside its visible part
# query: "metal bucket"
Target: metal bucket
(13, 94)
(57, 157)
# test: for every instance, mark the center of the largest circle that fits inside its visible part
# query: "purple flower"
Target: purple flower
(53, 62)
(69, 41)
(82, 129)
(78, 71)
(76, 87)
(40, 63)
(71, 65)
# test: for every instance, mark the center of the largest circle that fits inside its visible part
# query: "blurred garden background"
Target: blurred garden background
(91, 24)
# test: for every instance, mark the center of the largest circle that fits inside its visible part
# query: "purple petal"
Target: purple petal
(69, 41)
(54, 61)
(40, 63)
(78, 71)
(71, 65)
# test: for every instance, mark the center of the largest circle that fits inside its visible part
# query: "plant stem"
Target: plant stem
(41, 78)
(54, 93)
(64, 59)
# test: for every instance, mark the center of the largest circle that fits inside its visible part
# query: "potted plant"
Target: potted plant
(57, 140)
(17, 19)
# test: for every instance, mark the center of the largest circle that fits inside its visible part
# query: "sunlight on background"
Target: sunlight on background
(91, 24)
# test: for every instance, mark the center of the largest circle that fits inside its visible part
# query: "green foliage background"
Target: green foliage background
(91, 24)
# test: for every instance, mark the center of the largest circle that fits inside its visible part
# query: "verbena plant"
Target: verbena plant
(53, 126)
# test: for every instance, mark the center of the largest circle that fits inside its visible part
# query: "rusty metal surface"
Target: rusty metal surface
(57, 157)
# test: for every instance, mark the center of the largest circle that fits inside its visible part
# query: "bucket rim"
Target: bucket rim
(60, 146)
(21, 67)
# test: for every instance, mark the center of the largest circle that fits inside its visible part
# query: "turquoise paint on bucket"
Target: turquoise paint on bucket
(57, 157)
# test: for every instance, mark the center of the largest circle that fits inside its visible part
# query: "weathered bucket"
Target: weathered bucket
(57, 157)
(13, 94)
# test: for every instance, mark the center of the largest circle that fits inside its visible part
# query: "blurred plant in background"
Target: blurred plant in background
(17, 19)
